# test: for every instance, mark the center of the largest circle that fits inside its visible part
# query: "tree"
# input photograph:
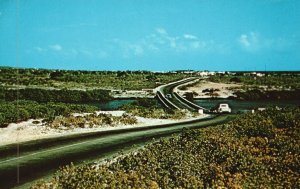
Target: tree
(151, 77)
(235, 79)
(56, 74)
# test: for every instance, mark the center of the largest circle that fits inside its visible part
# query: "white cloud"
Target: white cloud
(75, 52)
(172, 42)
(182, 43)
(160, 41)
(244, 40)
(189, 36)
(198, 44)
(163, 38)
(151, 46)
(128, 49)
(56, 47)
(137, 49)
(88, 53)
(39, 49)
(161, 31)
(250, 41)
(253, 42)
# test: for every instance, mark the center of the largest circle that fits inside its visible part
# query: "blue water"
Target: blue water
(236, 105)
(242, 106)
(113, 104)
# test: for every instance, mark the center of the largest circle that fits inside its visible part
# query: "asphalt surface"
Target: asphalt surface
(168, 90)
(40, 158)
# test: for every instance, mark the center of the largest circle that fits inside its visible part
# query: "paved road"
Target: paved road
(174, 101)
(42, 157)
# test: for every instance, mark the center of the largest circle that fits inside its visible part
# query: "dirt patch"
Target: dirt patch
(210, 89)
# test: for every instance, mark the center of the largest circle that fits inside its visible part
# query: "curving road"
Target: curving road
(175, 101)
(39, 158)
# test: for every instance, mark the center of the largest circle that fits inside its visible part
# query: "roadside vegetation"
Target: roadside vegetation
(16, 111)
(62, 79)
(46, 95)
(91, 120)
(60, 115)
(258, 150)
(150, 108)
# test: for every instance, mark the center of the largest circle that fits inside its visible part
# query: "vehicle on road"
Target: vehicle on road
(224, 108)
(168, 96)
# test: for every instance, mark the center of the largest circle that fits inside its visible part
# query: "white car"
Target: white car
(168, 96)
(224, 108)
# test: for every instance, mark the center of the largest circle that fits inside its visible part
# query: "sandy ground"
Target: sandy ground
(27, 130)
(224, 90)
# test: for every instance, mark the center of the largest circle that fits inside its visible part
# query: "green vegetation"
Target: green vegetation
(46, 95)
(271, 95)
(92, 121)
(278, 80)
(150, 108)
(124, 80)
(258, 150)
(273, 86)
(16, 111)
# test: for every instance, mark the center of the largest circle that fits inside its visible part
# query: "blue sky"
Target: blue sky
(150, 34)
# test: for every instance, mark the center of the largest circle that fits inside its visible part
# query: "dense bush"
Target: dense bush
(150, 108)
(92, 120)
(125, 80)
(235, 79)
(44, 95)
(15, 111)
(285, 80)
(254, 151)
(272, 95)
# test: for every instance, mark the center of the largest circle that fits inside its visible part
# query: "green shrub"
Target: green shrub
(16, 111)
(92, 121)
(124, 80)
(150, 108)
(233, 155)
(45, 95)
